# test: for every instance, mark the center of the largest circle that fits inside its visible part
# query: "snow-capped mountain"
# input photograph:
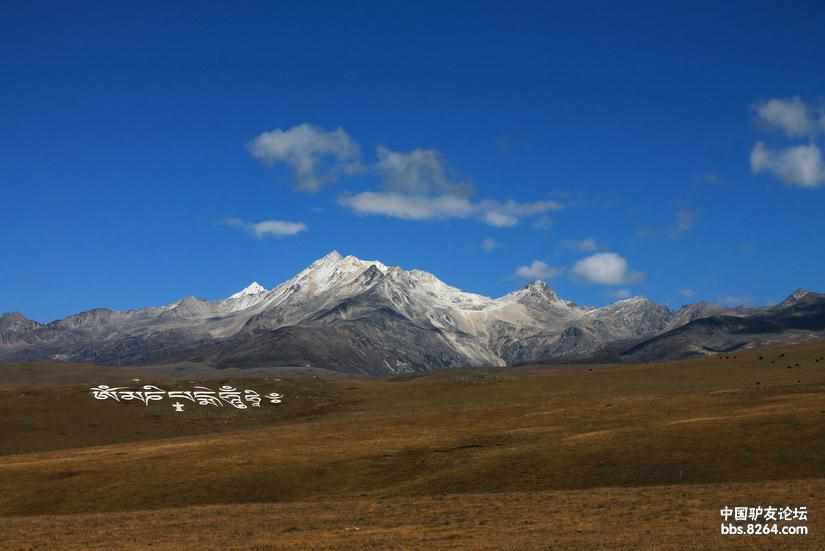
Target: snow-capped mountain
(354, 315)
(253, 289)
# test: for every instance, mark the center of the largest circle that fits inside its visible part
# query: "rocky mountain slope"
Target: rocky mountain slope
(799, 317)
(352, 315)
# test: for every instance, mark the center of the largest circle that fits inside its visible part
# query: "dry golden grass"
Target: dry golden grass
(603, 457)
(653, 518)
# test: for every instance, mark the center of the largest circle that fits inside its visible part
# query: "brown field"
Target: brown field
(580, 457)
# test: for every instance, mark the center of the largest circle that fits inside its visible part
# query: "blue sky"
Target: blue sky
(153, 151)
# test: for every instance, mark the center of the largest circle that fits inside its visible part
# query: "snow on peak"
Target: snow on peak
(332, 256)
(632, 300)
(539, 286)
(331, 271)
(253, 288)
(335, 262)
(535, 290)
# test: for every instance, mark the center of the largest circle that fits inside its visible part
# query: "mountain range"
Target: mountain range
(351, 315)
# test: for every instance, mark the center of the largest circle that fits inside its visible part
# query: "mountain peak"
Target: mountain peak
(634, 300)
(253, 288)
(534, 290)
(11, 321)
(12, 316)
(539, 286)
(334, 260)
(416, 321)
(795, 297)
(332, 256)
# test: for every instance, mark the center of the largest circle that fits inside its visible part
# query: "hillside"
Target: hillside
(686, 435)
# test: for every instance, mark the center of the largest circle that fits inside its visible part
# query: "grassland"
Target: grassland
(582, 457)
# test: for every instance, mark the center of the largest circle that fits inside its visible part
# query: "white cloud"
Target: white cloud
(427, 207)
(687, 293)
(622, 293)
(537, 270)
(408, 207)
(505, 214)
(316, 156)
(418, 172)
(791, 115)
(268, 228)
(583, 245)
(800, 165)
(499, 219)
(606, 269)
(417, 186)
(489, 244)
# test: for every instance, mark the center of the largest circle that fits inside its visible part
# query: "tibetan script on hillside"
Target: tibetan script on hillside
(199, 395)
